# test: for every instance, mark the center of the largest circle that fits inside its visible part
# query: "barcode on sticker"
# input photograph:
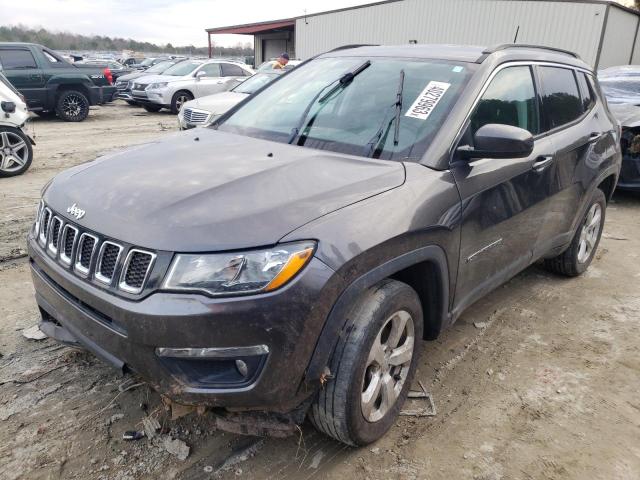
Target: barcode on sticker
(427, 100)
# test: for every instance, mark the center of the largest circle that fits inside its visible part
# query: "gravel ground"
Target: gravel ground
(539, 380)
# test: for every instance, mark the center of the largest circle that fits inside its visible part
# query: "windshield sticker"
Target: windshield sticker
(427, 100)
(458, 69)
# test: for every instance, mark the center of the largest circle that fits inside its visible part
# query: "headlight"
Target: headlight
(157, 86)
(237, 273)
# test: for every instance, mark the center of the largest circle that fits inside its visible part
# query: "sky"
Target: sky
(179, 22)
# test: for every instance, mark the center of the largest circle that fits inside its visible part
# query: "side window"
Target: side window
(211, 69)
(510, 99)
(19, 59)
(587, 96)
(230, 70)
(560, 97)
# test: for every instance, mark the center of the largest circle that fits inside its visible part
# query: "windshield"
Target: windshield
(182, 68)
(159, 67)
(358, 118)
(255, 82)
(146, 61)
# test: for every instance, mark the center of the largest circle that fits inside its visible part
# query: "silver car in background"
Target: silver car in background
(621, 84)
(185, 81)
(203, 111)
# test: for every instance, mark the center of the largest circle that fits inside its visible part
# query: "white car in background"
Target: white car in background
(16, 153)
(185, 81)
(203, 111)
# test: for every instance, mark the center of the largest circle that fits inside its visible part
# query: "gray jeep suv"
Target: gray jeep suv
(291, 259)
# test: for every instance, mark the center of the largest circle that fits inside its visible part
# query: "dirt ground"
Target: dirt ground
(539, 380)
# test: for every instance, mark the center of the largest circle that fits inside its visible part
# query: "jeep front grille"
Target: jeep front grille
(107, 261)
(54, 235)
(69, 235)
(92, 257)
(86, 248)
(195, 117)
(136, 270)
(44, 226)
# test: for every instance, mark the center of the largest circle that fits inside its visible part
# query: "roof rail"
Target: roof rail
(504, 46)
(355, 45)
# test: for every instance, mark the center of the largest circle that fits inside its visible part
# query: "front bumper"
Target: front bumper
(127, 333)
(154, 97)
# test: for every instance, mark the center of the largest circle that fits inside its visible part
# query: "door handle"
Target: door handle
(542, 162)
(595, 136)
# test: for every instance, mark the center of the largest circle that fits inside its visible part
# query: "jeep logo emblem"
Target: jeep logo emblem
(75, 211)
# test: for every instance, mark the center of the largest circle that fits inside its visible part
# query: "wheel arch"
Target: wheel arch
(424, 269)
(608, 185)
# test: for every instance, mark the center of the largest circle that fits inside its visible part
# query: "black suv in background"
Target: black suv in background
(51, 85)
(292, 258)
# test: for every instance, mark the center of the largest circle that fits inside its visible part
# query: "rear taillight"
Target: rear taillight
(108, 76)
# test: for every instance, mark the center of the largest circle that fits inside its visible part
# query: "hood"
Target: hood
(217, 103)
(157, 78)
(206, 190)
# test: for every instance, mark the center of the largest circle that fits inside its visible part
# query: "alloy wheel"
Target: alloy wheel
(14, 153)
(73, 105)
(589, 233)
(388, 366)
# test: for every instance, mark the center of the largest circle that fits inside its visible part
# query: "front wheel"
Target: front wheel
(16, 153)
(577, 258)
(72, 106)
(178, 100)
(372, 365)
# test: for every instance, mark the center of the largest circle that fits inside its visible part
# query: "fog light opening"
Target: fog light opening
(242, 367)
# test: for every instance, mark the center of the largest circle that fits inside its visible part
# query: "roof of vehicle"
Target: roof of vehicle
(463, 53)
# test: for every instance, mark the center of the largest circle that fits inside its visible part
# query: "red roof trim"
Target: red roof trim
(254, 28)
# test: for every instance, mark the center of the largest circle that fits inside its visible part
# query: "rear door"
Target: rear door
(22, 70)
(502, 199)
(573, 124)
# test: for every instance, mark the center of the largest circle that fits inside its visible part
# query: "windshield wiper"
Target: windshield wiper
(370, 147)
(343, 82)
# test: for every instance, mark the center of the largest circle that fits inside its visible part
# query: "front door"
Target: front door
(502, 199)
(22, 71)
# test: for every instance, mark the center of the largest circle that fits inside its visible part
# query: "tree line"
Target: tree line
(75, 42)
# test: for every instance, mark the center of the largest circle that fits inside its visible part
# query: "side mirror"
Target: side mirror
(200, 74)
(499, 141)
(8, 107)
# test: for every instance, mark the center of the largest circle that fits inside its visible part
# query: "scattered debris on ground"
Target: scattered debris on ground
(34, 333)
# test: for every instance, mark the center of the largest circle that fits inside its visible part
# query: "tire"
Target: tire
(72, 106)
(576, 259)
(152, 108)
(340, 409)
(16, 152)
(179, 99)
(131, 102)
